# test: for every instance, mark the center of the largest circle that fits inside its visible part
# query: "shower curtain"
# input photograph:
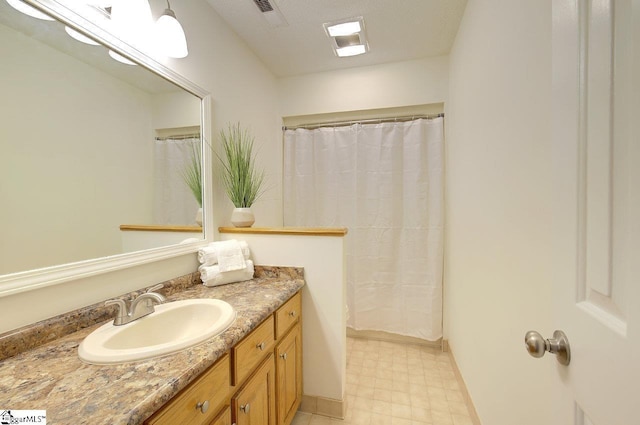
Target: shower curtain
(174, 204)
(384, 182)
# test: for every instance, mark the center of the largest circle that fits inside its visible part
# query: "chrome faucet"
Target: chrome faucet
(139, 307)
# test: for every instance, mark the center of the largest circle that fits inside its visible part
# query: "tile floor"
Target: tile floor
(397, 384)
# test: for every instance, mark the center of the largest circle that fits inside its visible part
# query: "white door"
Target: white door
(596, 142)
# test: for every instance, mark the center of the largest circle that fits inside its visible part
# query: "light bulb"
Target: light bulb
(170, 38)
(131, 21)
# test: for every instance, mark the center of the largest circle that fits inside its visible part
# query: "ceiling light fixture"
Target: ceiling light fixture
(170, 35)
(348, 37)
(27, 9)
(346, 28)
(351, 50)
(131, 21)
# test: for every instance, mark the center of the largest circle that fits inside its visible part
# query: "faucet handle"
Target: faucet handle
(122, 304)
(152, 290)
(123, 310)
(155, 288)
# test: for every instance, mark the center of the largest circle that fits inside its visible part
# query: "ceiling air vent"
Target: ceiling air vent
(271, 13)
(263, 5)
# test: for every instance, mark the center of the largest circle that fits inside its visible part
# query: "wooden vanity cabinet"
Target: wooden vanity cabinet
(224, 418)
(258, 383)
(200, 402)
(289, 375)
(288, 315)
(249, 352)
(288, 358)
(254, 403)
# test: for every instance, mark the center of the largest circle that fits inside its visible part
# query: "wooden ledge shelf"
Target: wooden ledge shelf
(155, 228)
(304, 231)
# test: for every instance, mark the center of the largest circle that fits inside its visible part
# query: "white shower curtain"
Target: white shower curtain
(174, 204)
(384, 182)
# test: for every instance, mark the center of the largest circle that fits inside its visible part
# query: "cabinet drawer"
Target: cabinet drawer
(212, 387)
(288, 314)
(253, 348)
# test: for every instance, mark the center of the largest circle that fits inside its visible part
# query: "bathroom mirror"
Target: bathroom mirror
(83, 142)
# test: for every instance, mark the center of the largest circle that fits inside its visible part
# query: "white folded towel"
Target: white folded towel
(208, 256)
(230, 256)
(212, 276)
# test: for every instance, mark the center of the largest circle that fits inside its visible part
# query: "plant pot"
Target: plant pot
(242, 217)
(199, 217)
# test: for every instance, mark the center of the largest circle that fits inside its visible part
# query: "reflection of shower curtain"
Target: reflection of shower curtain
(173, 201)
(385, 183)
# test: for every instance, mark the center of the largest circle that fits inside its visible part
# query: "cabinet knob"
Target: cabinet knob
(245, 408)
(261, 346)
(283, 356)
(203, 406)
(292, 313)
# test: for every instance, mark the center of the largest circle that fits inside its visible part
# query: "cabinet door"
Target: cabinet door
(224, 418)
(289, 375)
(255, 403)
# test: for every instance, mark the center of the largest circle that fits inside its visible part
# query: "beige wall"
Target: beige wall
(498, 217)
(391, 85)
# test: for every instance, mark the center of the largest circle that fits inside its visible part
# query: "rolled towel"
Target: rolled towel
(230, 256)
(212, 276)
(208, 256)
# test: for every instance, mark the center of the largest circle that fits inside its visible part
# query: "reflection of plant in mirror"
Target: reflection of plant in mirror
(192, 172)
(242, 182)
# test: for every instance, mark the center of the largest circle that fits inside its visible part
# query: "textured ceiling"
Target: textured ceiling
(397, 30)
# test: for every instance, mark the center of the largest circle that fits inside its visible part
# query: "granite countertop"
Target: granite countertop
(51, 377)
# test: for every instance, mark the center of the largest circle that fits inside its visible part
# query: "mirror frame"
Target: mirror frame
(14, 283)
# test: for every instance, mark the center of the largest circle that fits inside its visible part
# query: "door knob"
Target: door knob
(558, 345)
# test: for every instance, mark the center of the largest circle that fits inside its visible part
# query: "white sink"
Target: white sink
(172, 327)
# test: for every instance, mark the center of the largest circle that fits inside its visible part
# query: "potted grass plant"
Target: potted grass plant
(192, 176)
(242, 181)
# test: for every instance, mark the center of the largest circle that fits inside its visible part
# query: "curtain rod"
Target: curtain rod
(180, 137)
(367, 121)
